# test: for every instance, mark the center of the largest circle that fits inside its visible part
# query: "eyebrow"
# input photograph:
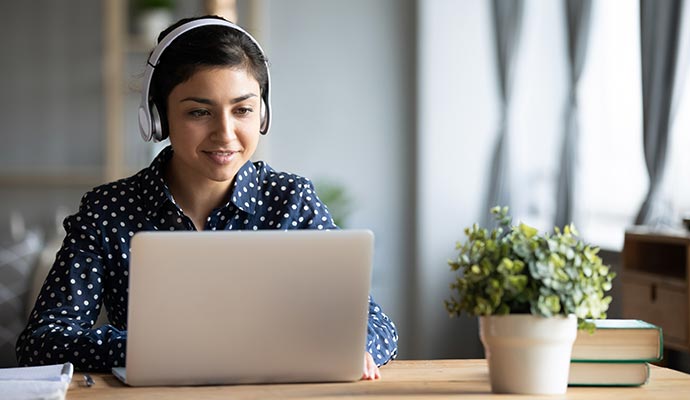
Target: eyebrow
(210, 102)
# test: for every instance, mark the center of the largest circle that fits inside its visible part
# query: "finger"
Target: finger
(365, 369)
(367, 375)
(372, 370)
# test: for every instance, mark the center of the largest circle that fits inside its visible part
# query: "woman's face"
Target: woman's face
(214, 120)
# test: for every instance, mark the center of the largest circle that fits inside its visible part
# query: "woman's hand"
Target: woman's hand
(371, 371)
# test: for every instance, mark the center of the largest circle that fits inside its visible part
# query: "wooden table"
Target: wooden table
(437, 379)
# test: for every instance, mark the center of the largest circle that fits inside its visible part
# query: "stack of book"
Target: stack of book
(618, 353)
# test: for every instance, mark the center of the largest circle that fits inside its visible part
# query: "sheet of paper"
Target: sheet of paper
(44, 382)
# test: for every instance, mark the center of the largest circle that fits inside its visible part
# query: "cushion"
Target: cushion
(17, 261)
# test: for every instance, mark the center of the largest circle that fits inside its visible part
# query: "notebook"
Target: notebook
(39, 382)
(247, 307)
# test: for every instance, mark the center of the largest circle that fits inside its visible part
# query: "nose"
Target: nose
(224, 130)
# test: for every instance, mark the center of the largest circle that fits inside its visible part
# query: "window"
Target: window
(612, 178)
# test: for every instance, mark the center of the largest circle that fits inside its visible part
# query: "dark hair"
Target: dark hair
(206, 46)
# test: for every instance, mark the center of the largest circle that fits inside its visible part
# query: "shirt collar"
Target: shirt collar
(245, 189)
(155, 191)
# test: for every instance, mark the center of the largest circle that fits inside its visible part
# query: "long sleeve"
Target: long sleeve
(61, 325)
(92, 267)
(382, 336)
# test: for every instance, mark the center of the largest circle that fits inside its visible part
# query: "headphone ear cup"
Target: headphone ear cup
(263, 113)
(264, 117)
(157, 133)
(145, 123)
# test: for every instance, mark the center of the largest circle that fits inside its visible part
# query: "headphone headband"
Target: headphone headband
(150, 125)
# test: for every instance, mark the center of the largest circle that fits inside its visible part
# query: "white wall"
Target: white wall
(342, 82)
(537, 117)
(457, 119)
(458, 122)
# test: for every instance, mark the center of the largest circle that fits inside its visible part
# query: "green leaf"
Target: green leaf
(515, 269)
(527, 230)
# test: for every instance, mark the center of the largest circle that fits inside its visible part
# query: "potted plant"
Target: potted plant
(335, 196)
(151, 17)
(531, 292)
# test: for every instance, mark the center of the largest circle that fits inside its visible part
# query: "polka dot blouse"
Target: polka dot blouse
(92, 266)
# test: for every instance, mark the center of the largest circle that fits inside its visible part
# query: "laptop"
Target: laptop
(236, 307)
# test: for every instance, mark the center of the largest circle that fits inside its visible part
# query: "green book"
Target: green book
(608, 373)
(619, 340)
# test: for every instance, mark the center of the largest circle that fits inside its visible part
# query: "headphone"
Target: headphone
(150, 125)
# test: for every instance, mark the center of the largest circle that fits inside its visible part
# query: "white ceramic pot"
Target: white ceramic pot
(151, 22)
(528, 354)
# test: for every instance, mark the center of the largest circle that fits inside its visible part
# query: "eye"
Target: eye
(199, 113)
(242, 111)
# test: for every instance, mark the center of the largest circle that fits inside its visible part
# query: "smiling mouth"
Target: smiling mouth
(221, 156)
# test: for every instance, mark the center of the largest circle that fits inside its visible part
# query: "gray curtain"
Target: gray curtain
(507, 18)
(578, 17)
(659, 33)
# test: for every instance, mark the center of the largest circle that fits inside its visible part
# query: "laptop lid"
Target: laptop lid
(247, 306)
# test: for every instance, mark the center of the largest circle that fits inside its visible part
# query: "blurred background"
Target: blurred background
(413, 117)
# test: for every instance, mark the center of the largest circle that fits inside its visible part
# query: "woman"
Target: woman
(207, 90)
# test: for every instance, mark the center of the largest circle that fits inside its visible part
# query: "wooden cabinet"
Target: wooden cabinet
(656, 269)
